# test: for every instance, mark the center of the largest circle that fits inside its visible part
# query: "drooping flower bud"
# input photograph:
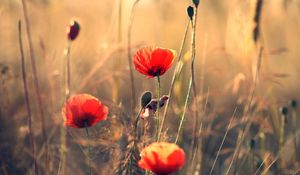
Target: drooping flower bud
(190, 12)
(294, 103)
(73, 30)
(196, 2)
(146, 98)
(284, 110)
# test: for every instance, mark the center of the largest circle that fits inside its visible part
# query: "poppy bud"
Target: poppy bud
(146, 98)
(294, 103)
(196, 2)
(284, 111)
(73, 30)
(190, 12)
(252, 144)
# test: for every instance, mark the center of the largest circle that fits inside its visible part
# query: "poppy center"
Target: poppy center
(156, 71)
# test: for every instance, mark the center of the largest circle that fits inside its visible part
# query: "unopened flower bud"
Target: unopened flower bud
(284, 111)
(196, 2)
(146, 98)
(190, 12)
(294, 103)
(73, 30)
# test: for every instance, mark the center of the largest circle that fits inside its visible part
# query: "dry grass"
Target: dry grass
(229, 75)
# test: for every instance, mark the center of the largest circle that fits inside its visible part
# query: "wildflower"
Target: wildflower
(162, 158)
(84, 110)
(153, 61)
(73, 30)
(151, 107)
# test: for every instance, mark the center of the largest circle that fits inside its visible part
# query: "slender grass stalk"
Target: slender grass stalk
(294, 129)
(246, 129)
(222, 143)
(196, 114)
(63, 136)
(175, 75)
(158, 106)
(133, 95)
(261, 165)
(89, 150)
(275, 159)
(36, 81)
(68, 72)
(135, 126)
(27, 101)
(117, 63)
(184, 111)
(282, 133)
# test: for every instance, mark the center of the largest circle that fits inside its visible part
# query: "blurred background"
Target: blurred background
(226, 61)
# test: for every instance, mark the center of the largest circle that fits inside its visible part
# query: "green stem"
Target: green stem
(157, 108)
(89, 150)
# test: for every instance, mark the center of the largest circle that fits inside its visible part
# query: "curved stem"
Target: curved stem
(133, 95)
(36, 82)
(175, 75)
(196, 116)
(134, 140)
(184, 111)
(27, 102)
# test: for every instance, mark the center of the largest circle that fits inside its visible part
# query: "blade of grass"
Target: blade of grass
(246, 129)
(222, 143)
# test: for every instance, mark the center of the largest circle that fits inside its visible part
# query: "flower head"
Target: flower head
(84, 110)
(162, 158)
(151, 107)
(73, 30)
(153, 61)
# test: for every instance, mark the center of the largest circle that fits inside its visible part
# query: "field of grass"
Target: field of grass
(233, 87)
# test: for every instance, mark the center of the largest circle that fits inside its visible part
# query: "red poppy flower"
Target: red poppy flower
(84, 110)
(153, 61)
(162, 158)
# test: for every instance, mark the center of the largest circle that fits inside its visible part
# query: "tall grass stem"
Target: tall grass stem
(133, 95)
(175, 75)
(27, 101)
(36, 81)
